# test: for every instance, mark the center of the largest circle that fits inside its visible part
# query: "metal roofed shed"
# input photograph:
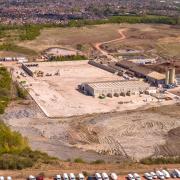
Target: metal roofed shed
(105, 88)
(143, 72)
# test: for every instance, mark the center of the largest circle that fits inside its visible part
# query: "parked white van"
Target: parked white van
(81, 176)
(114, 176)
(72, 176)
(31, 177)
(65, 176)
(148, 176)
(166, 174)
(177, 172)
(160, 175)
(153, 174)
(98, 176)
(105, 176)
(130, 177)
(58, 177)
(137, 176)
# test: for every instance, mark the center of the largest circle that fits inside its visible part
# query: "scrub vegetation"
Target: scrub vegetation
(15, 152)
(5, 88)
(69, 58)
(161, 160)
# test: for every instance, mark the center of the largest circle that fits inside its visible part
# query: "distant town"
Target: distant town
(59, 12)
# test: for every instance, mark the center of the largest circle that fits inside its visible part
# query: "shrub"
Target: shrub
(99, 161)
(21, 93)
(15, 152)
(161, 160)
(79, 160)
(69, 58)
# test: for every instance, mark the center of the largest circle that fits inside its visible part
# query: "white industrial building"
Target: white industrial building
(114, 87)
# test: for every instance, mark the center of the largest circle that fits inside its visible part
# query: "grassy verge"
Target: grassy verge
(18, 49)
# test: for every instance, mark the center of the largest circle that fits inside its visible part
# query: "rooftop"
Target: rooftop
(141, 69)
(118, 84)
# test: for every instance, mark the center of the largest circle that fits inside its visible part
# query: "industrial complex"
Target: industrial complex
(67, 88)
(114, 88)
(105, 83)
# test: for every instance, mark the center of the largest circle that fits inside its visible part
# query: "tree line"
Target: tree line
(31, 31)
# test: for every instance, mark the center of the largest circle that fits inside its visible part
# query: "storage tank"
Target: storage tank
(172, 76)
(167, 77)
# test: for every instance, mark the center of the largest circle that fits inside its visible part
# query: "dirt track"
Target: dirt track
(103, 52)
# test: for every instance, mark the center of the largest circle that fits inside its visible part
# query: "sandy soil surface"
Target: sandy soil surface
(113, 137)
(60, 52)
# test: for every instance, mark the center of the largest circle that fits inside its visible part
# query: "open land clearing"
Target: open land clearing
(113, 137)
(160, 39)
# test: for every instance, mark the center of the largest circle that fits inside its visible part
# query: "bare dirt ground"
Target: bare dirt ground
(158, 39)
(113, 137)
(103, 52)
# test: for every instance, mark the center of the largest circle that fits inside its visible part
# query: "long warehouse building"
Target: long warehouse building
(153, 77)
(114, 87)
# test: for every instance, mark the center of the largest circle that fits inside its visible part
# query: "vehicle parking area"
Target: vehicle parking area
(58, 95)
(158, 175)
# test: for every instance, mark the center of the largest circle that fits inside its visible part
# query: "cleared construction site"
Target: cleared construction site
(63, 89)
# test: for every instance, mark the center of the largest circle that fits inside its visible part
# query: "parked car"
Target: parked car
(65, 176)
(39, 178)
(98, 176)
(130, 177)
(137, 176)
(57, 177)
(114, 176)
(72, 176)
(153, 174)
(160, 175)
(91, 178)
(81, 176)
(31, 177)
(166, 174)
(177, 172)
(105, 176)
(148, 176)
(173, 174)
